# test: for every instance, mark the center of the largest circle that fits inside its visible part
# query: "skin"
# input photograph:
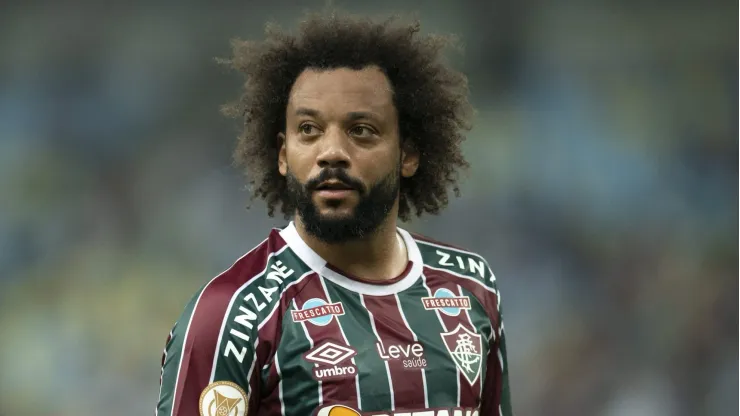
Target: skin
(345, 118)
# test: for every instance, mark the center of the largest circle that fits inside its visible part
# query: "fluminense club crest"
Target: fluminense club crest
(465, 348)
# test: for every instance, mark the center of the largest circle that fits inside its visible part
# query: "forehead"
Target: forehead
(342, 90)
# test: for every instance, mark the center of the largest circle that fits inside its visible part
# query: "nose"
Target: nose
(334, 152)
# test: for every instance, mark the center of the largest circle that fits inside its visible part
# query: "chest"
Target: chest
(424, 348)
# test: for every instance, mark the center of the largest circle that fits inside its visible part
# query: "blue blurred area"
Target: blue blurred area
(603, 193)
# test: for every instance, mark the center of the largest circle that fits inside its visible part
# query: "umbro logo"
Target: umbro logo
(332, 361)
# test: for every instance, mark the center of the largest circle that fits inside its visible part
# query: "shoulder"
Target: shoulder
(247, 269)
(445, 262)
(212, 301)
(455, 260)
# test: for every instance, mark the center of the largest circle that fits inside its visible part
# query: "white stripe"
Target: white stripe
(387, 367)
(280, 385)
(416, 339)
(310, 341)
(231, 305)
(441, 321)
(344, 336)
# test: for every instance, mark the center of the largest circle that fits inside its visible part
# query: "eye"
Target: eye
(308, 129)
(362, 131)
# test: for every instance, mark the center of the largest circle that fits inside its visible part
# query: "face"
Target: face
(341, 152)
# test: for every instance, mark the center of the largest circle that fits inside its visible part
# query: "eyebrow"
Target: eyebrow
(303, 111)
(351, 116)
(357, 115)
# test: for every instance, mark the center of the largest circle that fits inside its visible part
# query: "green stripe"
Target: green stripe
(375, 392)
(172, 360)
(300, 392)
(441, 372)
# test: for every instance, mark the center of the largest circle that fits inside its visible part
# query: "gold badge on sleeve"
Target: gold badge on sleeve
(223, 398)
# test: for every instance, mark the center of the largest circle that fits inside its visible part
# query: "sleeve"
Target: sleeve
(496, 398)
(194, 380)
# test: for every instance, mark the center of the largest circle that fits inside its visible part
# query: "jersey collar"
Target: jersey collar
(320, 266)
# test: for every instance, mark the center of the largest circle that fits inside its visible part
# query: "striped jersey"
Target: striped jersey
(281, 332)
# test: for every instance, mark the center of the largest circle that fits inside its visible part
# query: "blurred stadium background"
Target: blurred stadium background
(603, 193)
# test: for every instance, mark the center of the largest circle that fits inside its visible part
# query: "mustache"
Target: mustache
(338, 174)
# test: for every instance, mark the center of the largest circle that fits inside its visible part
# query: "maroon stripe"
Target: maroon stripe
(204, 329)
(397, 347)
(269, 405)
(335, 388)
(469, 394)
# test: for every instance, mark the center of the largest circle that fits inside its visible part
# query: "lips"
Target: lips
(334, 186)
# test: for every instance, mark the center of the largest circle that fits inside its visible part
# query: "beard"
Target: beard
(375, 203)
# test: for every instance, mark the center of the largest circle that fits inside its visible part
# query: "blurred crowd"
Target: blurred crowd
(602, 192)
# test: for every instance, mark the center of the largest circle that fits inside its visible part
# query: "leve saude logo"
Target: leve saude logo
(318, 312)
(411, 356)
(446, 302)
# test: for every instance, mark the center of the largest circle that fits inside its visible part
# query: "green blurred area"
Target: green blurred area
(603, 194)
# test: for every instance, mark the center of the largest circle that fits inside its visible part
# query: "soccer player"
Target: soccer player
(349, 126)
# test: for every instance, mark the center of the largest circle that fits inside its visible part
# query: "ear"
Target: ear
(409, 160)
(282, 158)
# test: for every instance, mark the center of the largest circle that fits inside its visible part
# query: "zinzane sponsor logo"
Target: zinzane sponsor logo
(446, 302)
(331, 361)
(410, 355)
(318, 312)
(473, 266)
(339, 410)
(254, 302)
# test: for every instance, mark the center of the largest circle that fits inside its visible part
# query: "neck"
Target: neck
(379, 256)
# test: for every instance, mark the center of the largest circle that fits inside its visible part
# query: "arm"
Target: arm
(496, 398)
(192, 358)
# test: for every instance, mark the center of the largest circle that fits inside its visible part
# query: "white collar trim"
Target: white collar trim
(319, 265)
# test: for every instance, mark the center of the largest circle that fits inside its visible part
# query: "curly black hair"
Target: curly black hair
(431, 100)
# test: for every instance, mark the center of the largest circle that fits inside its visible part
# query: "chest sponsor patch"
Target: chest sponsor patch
(339, 410)
(331, 361)
(411, 356)
(446, 302)
(465, 348)
(317, 311)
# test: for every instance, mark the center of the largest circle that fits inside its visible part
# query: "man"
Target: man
(348, 127)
